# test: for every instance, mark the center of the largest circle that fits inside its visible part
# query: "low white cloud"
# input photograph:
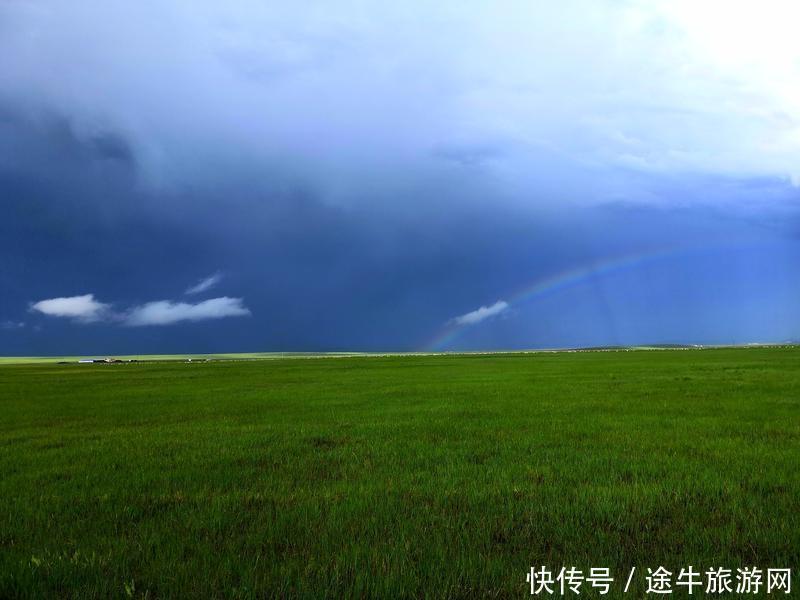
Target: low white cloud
(165, 312)
(80, 308)
(481, 314)
(204, 284)
(11, 325)
(86, 309)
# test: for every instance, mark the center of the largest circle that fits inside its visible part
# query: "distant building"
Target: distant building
(99, 360)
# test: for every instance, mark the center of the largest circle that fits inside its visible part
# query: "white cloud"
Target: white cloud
(85, 309)
(481, 314)
(80, 308)
(205, 284)
(165, 312)
(11, 325)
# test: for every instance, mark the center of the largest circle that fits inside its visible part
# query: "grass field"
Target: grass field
(438, 476)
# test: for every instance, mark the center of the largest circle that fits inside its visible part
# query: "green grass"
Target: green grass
(438, 476)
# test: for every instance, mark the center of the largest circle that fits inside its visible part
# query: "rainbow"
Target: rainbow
(559, 281)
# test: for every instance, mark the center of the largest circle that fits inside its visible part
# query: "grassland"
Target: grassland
(438, 476)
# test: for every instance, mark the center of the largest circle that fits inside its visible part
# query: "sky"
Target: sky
(346, 175)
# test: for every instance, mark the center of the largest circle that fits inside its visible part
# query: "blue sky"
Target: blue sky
(206, 177)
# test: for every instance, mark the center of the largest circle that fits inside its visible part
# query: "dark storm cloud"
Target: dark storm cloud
(313, 275)
(362, 176)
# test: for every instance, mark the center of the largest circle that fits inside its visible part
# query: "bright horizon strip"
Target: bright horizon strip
(562, 280)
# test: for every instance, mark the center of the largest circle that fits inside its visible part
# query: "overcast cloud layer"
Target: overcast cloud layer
(361, 173)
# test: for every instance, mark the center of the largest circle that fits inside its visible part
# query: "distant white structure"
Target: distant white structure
(99, 360)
